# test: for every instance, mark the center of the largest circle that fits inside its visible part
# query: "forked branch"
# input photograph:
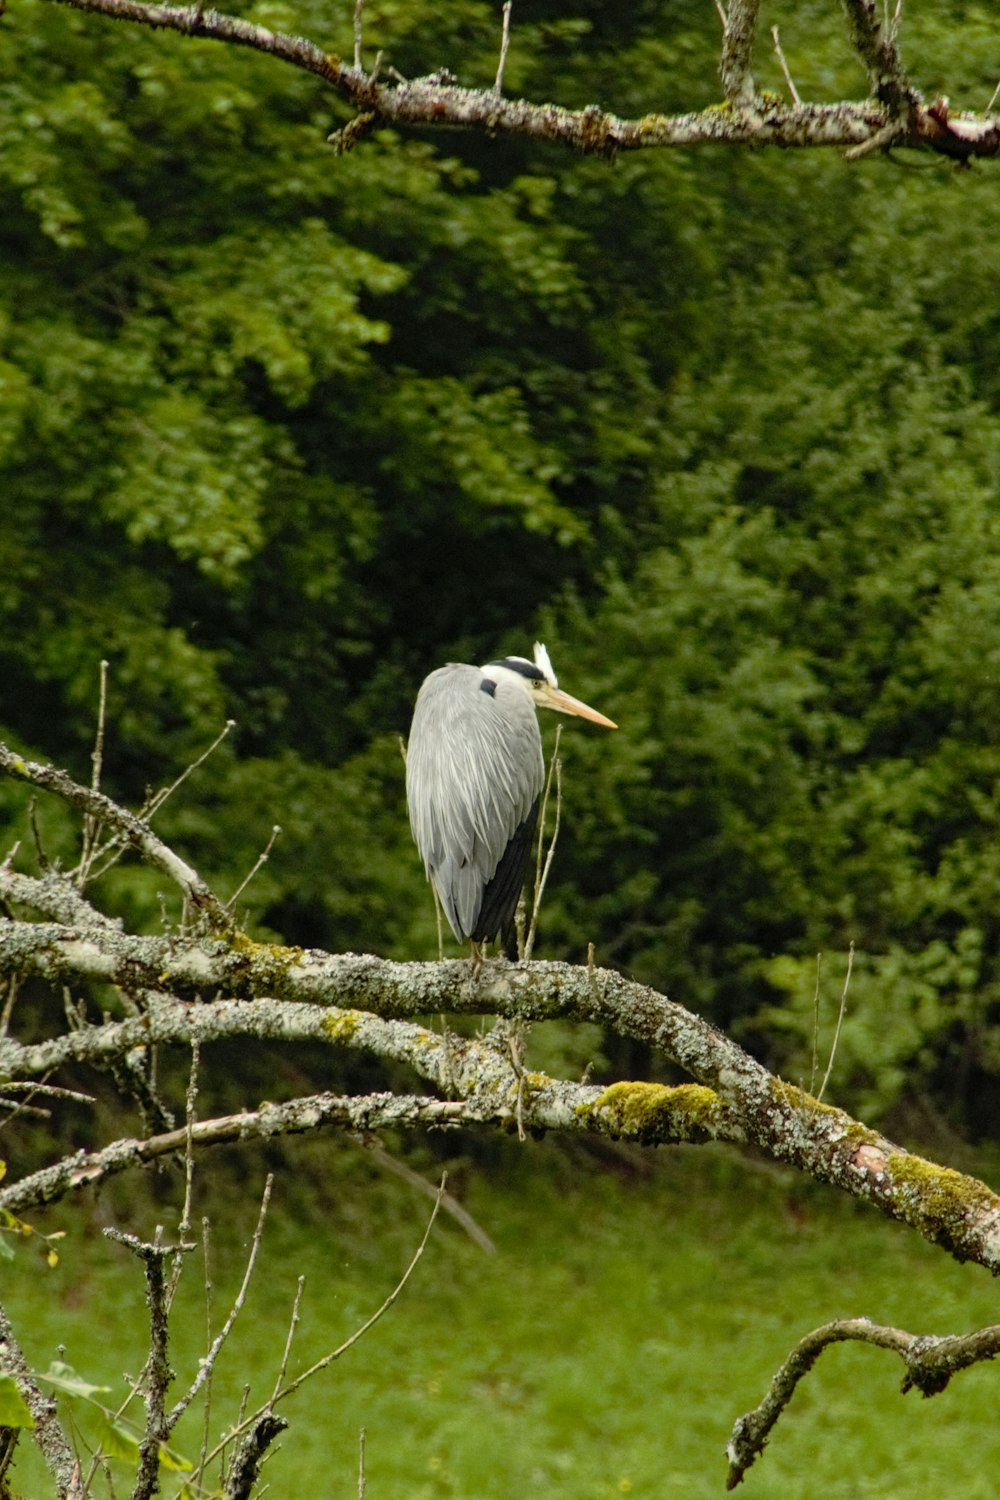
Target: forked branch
(930, 1363)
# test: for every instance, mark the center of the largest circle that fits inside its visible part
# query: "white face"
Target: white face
(538, 681)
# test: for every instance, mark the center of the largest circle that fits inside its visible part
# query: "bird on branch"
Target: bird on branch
(474, 776)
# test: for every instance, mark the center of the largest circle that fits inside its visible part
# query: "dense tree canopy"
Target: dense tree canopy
(281, 430)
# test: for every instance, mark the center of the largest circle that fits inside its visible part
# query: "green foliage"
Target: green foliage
(14, 1410)
(280, 431)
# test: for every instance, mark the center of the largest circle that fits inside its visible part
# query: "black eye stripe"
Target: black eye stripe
(518, 664)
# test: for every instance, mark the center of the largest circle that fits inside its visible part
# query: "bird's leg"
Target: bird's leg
(477, 956)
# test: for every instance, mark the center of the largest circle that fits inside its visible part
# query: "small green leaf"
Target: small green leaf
(65, 1378)
(6, 1248)
(117, 1440)
(175, 1461)
(14, 1410)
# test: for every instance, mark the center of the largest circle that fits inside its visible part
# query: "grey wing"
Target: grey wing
(473, 772)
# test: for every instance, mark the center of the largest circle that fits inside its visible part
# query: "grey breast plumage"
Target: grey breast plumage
(474, 772)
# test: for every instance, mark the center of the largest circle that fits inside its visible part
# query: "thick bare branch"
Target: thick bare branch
(930, 1363)
(437, 101)
(245, 1468)
(157, 1374)
(875, 43)
(738, 35)
(738, 1100)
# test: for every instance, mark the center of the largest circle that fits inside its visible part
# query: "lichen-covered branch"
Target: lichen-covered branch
(245, 1468)
(874, 38)
(133, 830)
(746, 118)
(738, 35)
(48, 1434)
(157, 1374)
(366, 1002)
(930, 1363)
(368, 1112)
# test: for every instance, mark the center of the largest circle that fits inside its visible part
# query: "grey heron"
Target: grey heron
(474, 774)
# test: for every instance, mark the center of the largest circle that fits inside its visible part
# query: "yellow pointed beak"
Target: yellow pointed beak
(551, 697)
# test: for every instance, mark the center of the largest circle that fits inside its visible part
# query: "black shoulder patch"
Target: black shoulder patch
(487, 685)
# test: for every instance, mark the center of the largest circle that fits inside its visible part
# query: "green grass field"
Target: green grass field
(629, 1315)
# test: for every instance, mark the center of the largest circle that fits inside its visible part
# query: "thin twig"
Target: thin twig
(993, 99)
(359, 6)
(92, 825)
(504, 44)
(840, 1021)
(49, 1089)
(361, 1465)
(207, 1364)
(542, 873)
(155, 802)
(293, 1324)
(113, 848)
(815, 1042)
(784, 65)
(449, 1204)
(206, 1242)
(261, 860)
(184, 1227)
(328, 1359)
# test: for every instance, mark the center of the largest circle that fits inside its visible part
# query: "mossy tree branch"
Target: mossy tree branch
(287, 994)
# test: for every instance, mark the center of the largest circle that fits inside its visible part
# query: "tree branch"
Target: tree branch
(876, 46)
(134, 831)
(746, 119)
(157, 1374)
(245, 1468)
(930, 1363)
(738, 1100)
(738, 36)
(48, 1434)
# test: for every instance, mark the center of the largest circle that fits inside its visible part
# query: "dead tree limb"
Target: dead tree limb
(895, 115)
(930, 1362)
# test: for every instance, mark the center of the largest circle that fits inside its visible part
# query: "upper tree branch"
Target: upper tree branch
(430, 102)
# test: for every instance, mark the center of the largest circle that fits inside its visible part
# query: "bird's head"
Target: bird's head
(538, 680)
